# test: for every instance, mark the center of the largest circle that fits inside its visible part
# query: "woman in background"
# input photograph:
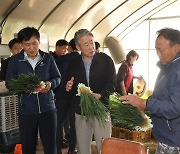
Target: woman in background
(125, 74)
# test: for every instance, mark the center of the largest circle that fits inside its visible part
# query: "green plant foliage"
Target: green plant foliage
(124, 115)
(91, 107)
(23, 83)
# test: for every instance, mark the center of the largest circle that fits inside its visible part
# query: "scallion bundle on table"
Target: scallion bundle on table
(91, 107)
(25, 83)
(127, 116)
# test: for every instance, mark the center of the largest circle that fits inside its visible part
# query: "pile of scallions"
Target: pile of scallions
(127, 116)
(25, 83)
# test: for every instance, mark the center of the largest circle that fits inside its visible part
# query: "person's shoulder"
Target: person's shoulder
(124, 65)
(14, 60)
(62, 59)
(51, 53)
(175, 63)
(6, 60)
(103, 56)
(45, 54)
(18, 56)
(73, 55)
(75, 59)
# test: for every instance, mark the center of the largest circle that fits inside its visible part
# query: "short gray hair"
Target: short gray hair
(80, 33)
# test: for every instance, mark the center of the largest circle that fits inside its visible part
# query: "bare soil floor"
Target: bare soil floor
(64, 151)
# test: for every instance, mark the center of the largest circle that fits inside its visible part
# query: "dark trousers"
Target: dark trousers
(65, 107)
(66, 126)
(46, 123)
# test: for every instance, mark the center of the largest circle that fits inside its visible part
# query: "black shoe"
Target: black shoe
(59, 152)
(66, 141)
(73, 152)
(66, 136)
(65, 145)
(93, 139)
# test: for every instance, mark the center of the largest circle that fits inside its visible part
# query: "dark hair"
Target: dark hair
(97, 45)
(12, 42)
(61, 42)
(26, 33)
(72, 44)
(170, 34)
(80, 33)
(132, 53)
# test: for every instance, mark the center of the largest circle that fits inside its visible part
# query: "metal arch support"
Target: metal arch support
(8, 12)
(81, 17)
(44, 20)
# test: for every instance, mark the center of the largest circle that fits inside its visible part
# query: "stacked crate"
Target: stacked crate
(139, 136)
(9, 126)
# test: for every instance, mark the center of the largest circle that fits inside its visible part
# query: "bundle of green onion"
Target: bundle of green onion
(91, 107)
(25, 83)
(124, 115)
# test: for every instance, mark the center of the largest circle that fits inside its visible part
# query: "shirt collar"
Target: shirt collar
(86, 61)
(167, 65)
(26, 55)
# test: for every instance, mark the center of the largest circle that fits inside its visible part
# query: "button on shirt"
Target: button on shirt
(87, 66)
